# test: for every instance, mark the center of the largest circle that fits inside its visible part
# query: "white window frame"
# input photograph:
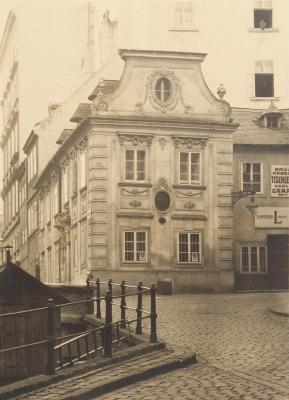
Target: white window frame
(196, 183)
(135, 261)
(264, 67)
(135, 180)
(261, 174)
(189, 247)
(83, 169)
(249, 247)
(65, 183)
(182, 6)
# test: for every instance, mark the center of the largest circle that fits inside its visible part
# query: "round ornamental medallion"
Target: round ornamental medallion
(162, 200)
(163, 88)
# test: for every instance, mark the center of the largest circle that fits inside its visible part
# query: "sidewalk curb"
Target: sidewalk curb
(165, 367)
(28, 385)
(277, 312)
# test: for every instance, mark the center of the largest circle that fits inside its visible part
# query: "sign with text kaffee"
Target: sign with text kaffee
(272, 217)
(279, 180)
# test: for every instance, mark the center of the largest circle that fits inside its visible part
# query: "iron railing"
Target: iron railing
(65, 350)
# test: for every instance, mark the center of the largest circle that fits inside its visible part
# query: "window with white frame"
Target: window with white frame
(263, 14)
(264, 78)
(32, 217)
(74, 247)
(55, 201)
(183, 15)
(65, 185)
(74, 177)
(252, 177)
(253, 259)
(135, 246)
(135, 165)
(82, 162)
(190, 168)
(32, 163)
(189, 247)
(83, 241)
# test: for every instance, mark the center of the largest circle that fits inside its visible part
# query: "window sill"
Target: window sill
(266, 30)
(130, 264)
(189, 266)
(184, 186)
(183, 29)
(264, 98)
(253, 273)
(74, 196)
(31, 234)
(135, 184)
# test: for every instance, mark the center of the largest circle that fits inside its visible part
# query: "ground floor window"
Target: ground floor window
(135, 246)
(253, 259)
(189, 247)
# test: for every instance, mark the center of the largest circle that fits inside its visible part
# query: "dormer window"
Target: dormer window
(272, 118)
(273, 121)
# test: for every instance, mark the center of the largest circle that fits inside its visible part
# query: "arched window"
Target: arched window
(163, 89)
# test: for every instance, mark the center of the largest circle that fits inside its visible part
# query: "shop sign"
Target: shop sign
(272, 217)
(279, 180)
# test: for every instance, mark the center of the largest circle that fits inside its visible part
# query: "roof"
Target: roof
(83, 110)
(251, 131)
(29, 142)
(17, 287)
(104, 86)
(64, 135)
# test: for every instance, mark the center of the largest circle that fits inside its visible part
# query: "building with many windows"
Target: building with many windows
(161, 171)
(146, 178)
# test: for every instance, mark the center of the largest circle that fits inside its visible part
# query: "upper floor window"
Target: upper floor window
(32, 163)
(74, 177)
(253, 259)
(189, 247)
(263, 14)
(190, 168)
(32, 217)
(183, 15)
(264, 79)
(83, 168)
(135, 246)
(163, 89)
(252, 177)
(135, 165)
(65, 185)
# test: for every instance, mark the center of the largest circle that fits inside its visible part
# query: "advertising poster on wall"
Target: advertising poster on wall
(280, 181)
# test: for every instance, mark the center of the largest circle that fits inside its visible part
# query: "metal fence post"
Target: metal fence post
(154, 337)
(108, 325)
(122, 305)
(138, 329)
(51, 336)
(89, 296)
(98, 306)
(109, 285)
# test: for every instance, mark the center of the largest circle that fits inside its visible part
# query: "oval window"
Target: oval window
(163, 89)
(162, 200)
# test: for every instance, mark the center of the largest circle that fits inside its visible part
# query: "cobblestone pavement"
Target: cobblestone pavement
(244, 349)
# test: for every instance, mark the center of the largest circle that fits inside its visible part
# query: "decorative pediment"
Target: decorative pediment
(135, 139)
(189, 142)
(161, 84)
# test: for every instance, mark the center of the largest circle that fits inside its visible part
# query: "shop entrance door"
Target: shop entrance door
(278, 254)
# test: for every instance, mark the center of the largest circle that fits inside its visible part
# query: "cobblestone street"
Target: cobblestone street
(242, 347)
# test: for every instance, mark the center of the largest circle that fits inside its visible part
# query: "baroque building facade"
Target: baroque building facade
(146, 178)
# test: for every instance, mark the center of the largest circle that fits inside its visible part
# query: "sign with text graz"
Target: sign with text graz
(279, 180)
